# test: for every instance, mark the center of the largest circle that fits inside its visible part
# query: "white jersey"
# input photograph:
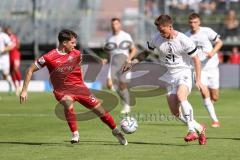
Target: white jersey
(173, 53)
(119, 44)
(4, 41)
(203, 39)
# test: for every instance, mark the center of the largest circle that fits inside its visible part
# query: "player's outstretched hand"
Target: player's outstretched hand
(23, 96)
(199, 85)
(104, 61)
(127, 66)
(210, 54)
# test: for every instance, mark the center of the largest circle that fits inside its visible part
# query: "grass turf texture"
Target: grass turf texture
(33, 132)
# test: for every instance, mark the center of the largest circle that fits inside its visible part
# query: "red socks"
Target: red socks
(16, 76)
(108, 120)
(71, 119)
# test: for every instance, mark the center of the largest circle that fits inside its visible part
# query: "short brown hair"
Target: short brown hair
(115, 19)
(66, 35)
(163, 19)
(193, 16)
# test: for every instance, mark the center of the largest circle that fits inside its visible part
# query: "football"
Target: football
(129, 125)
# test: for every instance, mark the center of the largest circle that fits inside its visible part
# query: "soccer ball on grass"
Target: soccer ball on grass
(129, 125)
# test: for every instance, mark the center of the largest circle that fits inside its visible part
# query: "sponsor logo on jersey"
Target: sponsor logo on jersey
(41, 61)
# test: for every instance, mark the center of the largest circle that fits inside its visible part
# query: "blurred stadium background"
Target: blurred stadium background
(37, 23)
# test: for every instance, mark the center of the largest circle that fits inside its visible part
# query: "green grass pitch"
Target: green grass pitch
(33, 132)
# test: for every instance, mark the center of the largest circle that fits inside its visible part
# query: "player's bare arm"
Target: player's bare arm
(18, 44)
(216, 48)
(197, 67)
(29, 72)
(140, 57)
(128, 65)
(7, 48)
(132, 54)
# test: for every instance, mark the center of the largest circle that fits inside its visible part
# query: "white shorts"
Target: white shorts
(179, 77)
(123, 77)
(210, 78)
(115, 72)
(4, 66)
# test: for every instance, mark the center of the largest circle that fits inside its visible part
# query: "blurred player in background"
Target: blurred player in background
(64, 68)
(15, 58)
(5, 46)
(175, 52)
(121, 49)
(203, 37)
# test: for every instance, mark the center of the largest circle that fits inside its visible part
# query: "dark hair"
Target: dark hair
(163, 19)
(115, 19)
(193, 16)
(66, 35)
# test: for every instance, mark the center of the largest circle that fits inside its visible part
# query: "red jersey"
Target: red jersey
(14, 53)
(65, 71)
(234, 58)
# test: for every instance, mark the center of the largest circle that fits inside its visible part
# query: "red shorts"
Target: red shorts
(88, 101)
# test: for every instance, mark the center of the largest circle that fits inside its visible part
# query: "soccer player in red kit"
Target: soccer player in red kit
(14, 59)
(64, 68)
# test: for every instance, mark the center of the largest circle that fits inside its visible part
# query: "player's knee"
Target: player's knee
(109, 86)
(99, 110)
(122, 86)
(15, 69)
(181, 96)
(66, 101)
(214, 97)
(67, 98)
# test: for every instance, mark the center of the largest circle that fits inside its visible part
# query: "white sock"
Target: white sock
(197, 126)
(125, 97)
(10, 83)
(181, 117)
(210, 108)
(188, 114)
(75, 133)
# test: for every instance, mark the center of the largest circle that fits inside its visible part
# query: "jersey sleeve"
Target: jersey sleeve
(7, 40)
(212, 35)
(40, 62)
(129, 38)
(150, 44)
(17, 41)
(188, 46)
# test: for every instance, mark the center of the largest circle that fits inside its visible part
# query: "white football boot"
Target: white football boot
(119, 135)
(75, 138)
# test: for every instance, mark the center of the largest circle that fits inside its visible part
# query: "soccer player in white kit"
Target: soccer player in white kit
(175, 52)
(5, 46)
(203, 38)
(121, 49)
